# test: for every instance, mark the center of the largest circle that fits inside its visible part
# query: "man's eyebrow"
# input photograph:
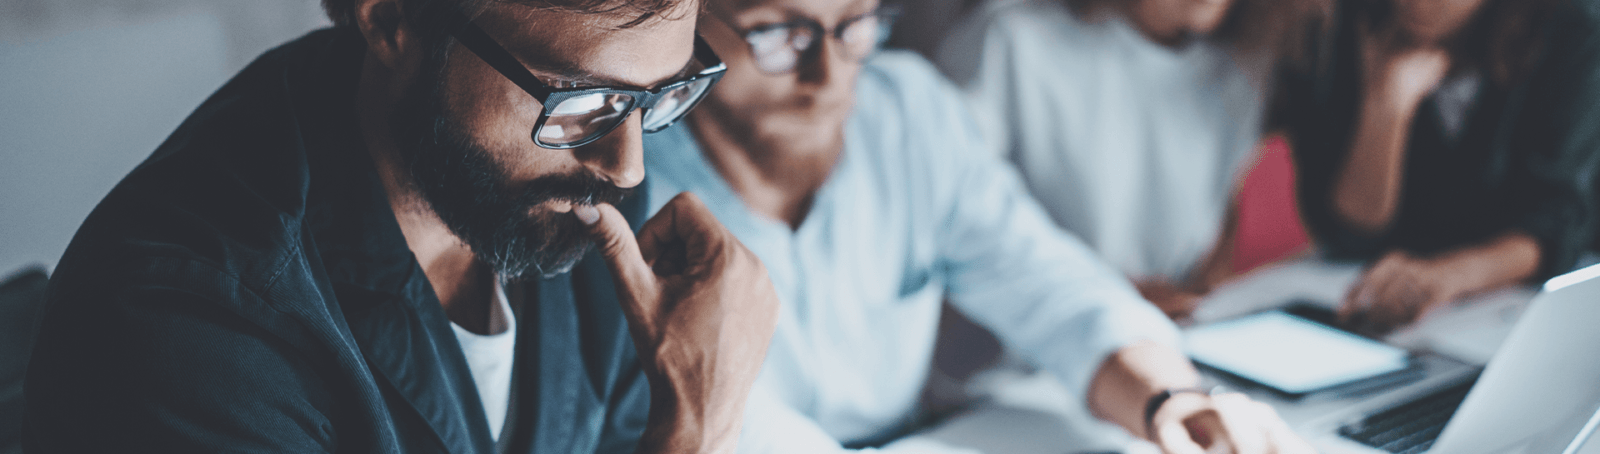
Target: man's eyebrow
(572, 74)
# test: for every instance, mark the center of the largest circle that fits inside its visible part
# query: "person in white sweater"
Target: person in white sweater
(1131, 121)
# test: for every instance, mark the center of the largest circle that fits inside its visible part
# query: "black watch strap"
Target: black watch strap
(1154, 404)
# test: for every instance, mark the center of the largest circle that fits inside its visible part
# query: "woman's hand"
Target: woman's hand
(1401, 288)
(1398, 70)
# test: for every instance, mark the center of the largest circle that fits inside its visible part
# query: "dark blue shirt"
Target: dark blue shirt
(1526, 161)
(247, 289)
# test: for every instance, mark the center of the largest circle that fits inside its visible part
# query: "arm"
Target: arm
(1402, 287)
(1128, 378)
(160, 370)
(1366, 193)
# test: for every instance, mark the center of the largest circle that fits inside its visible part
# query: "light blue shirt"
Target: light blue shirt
(914, 211)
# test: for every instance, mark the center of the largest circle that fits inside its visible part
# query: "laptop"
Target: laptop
(1539, 394)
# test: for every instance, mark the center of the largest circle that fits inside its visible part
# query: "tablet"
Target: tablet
(1291, 354)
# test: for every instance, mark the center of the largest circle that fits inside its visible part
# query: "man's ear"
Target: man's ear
(390, 39)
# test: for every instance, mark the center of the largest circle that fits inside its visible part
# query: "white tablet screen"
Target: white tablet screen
(1291, 354)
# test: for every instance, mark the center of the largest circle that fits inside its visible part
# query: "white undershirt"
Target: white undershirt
(489, 357)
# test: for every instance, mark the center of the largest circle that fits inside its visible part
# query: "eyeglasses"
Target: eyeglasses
(779, 48)
(574, 117)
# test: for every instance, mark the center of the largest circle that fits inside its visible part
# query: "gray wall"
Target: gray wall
(88, 88)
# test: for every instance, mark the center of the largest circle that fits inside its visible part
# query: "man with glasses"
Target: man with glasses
(376, 239)
(862, 185)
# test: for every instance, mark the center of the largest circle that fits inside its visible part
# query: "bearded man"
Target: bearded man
(377, 238)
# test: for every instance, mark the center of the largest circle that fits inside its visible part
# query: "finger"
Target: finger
(1242, 422)
(684, 223)
(1207, 429)
(619, 248)
(1385, 293)
(1174, 438)
(1417, 299)
(1354, 299)
(1364, 294)
(1385, 305)
(1396, 301)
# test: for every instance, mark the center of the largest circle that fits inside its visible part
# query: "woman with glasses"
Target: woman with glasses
(1132, 121)
(860, 180)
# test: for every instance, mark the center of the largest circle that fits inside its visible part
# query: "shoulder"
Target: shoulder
(913, 126)
(902, 86)
(217, 210)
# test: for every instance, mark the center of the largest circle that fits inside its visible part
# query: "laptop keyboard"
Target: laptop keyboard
(1410, 428)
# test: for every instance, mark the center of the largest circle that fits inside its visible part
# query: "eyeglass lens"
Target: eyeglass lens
(673, 104)
(582, 118)
(779, 49)
(579, 119)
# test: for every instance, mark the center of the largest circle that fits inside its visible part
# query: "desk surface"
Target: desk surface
(1024, 407)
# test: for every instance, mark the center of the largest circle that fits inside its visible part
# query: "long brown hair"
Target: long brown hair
(1279, 27)
(1505, 37)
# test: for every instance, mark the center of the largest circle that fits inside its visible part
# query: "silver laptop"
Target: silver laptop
(1539, 394)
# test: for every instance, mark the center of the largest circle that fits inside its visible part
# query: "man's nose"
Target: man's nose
(619, 156)
(820, 68)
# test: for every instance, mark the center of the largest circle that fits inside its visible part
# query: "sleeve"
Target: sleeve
(1012, 269)
(161, 370)
(1553, 187)
(773, 427)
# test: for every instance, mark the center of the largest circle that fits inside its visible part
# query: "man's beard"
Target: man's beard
(468, 189)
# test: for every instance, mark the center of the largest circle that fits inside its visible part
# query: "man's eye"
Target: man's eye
(580, 105)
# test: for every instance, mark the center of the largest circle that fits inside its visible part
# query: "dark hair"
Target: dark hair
(1280, 28)
(1505, 37)
(343, 12)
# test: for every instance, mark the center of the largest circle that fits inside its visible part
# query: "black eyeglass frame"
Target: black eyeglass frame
(490, 51)
(887, 14)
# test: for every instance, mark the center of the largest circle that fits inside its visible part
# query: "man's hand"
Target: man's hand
(1226, 423)
(701, 310)
(1188, 422)
(1177, 302)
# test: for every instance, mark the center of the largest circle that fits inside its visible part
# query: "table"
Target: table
(1029, 412)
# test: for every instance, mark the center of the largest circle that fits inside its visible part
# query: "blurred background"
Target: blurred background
(88, 88)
